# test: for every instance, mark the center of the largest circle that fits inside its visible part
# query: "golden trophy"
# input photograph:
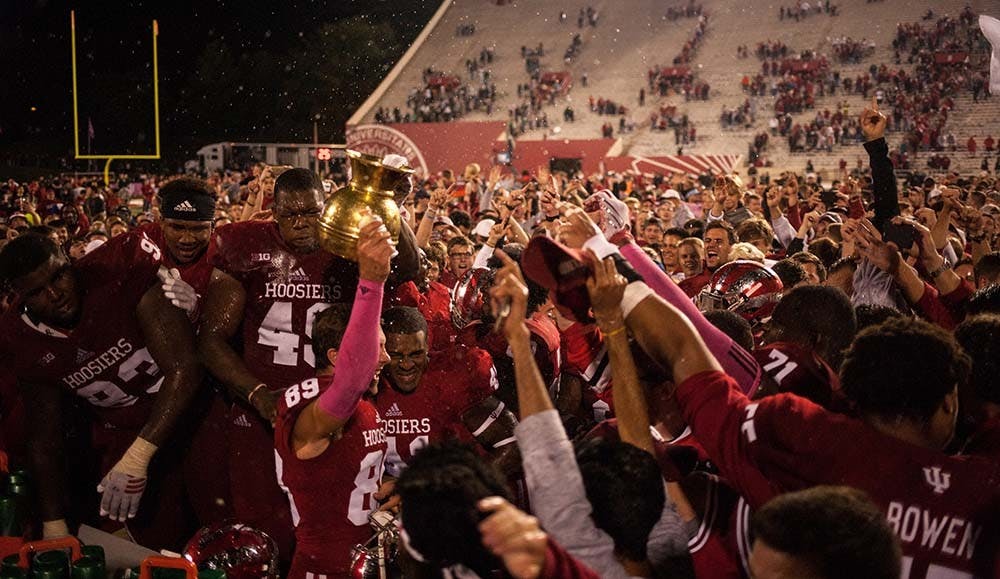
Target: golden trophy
(371, 187)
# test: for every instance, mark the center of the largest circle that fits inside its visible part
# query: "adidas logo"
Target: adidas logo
(298, 275)
(184, 206)
(82, 355)
(242, 421)
(394, 411)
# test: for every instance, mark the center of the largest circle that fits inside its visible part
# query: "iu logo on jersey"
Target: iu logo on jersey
(937, 479)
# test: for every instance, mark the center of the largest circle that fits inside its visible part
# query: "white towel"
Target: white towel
(991, 29)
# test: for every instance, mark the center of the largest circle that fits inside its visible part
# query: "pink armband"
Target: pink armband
(357, 357)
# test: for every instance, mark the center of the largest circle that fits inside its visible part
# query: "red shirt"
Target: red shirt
(284, 292)
(103, 359)
(196, 273)
(330, 494)
(801, 371)
(692, 286)
(454, 381)
(944, 509)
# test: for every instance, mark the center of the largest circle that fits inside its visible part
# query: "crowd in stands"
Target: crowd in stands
(799, 12)
(444, 97)
(691, 10)
(852, 51)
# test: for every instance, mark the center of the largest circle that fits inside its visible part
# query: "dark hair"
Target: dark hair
(804, 257)
(625, 490)
(460, 218)
(403, 320)
(827, 250)
(23, 255)
(790, 272)
(41, 230)
(187, 186)
(694, 227)
(440, 489)
(294, 180)
(902, 368)
(328, 331)
(459, 240)
(849, 262)
(817, 317)
(835, 531)
(868, 315)
(537, 295)
(652, 221)
(676, 232)
(730, 232)
(988, 266)
(733, 325)
(980, 338)
(753, 228)
(986, 300)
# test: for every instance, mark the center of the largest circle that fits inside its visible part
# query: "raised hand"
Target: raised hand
(375, 251)
(873, 122)
(509, 297)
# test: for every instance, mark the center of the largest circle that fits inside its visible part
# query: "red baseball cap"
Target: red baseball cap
(561, 270)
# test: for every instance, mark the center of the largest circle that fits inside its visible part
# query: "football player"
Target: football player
(102, 329)
(448, 394)
(271, 278)
(330, 441)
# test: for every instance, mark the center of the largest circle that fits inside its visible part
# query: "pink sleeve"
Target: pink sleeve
(736, 361)
(357, 357)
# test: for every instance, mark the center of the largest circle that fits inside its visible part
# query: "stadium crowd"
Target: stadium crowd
(547, 375)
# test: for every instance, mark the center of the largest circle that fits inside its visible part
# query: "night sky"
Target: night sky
(249, 70)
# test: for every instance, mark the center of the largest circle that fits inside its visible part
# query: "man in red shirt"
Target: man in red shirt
(187, 206)
(102, 329)
(330, 441)
(944, 509)
(271, 278)
(431, 397)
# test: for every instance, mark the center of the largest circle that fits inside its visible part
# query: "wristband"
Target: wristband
(254, 391)
(635, 292)
(612, 332)
(945, 266)
(600, 246)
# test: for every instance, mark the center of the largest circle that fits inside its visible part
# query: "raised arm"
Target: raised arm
(357, 359)
(886, 205)
(607, 289)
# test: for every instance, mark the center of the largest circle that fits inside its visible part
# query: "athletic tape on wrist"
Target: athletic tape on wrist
(600, 246)
(635, 292)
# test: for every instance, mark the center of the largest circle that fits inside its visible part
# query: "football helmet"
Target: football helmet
(744, 287)
(241, 551)
(470, 299)
(377, 557)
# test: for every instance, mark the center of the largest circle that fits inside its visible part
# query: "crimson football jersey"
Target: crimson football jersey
(720, 549)
(944, 509)
(284, 292)
(331, 494)
(103, 359)
(455, 380)
(801, 371)
(197, 273)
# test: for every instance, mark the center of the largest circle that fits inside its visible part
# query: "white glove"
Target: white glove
(614, 216)
(179, 292)
(121, 489)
